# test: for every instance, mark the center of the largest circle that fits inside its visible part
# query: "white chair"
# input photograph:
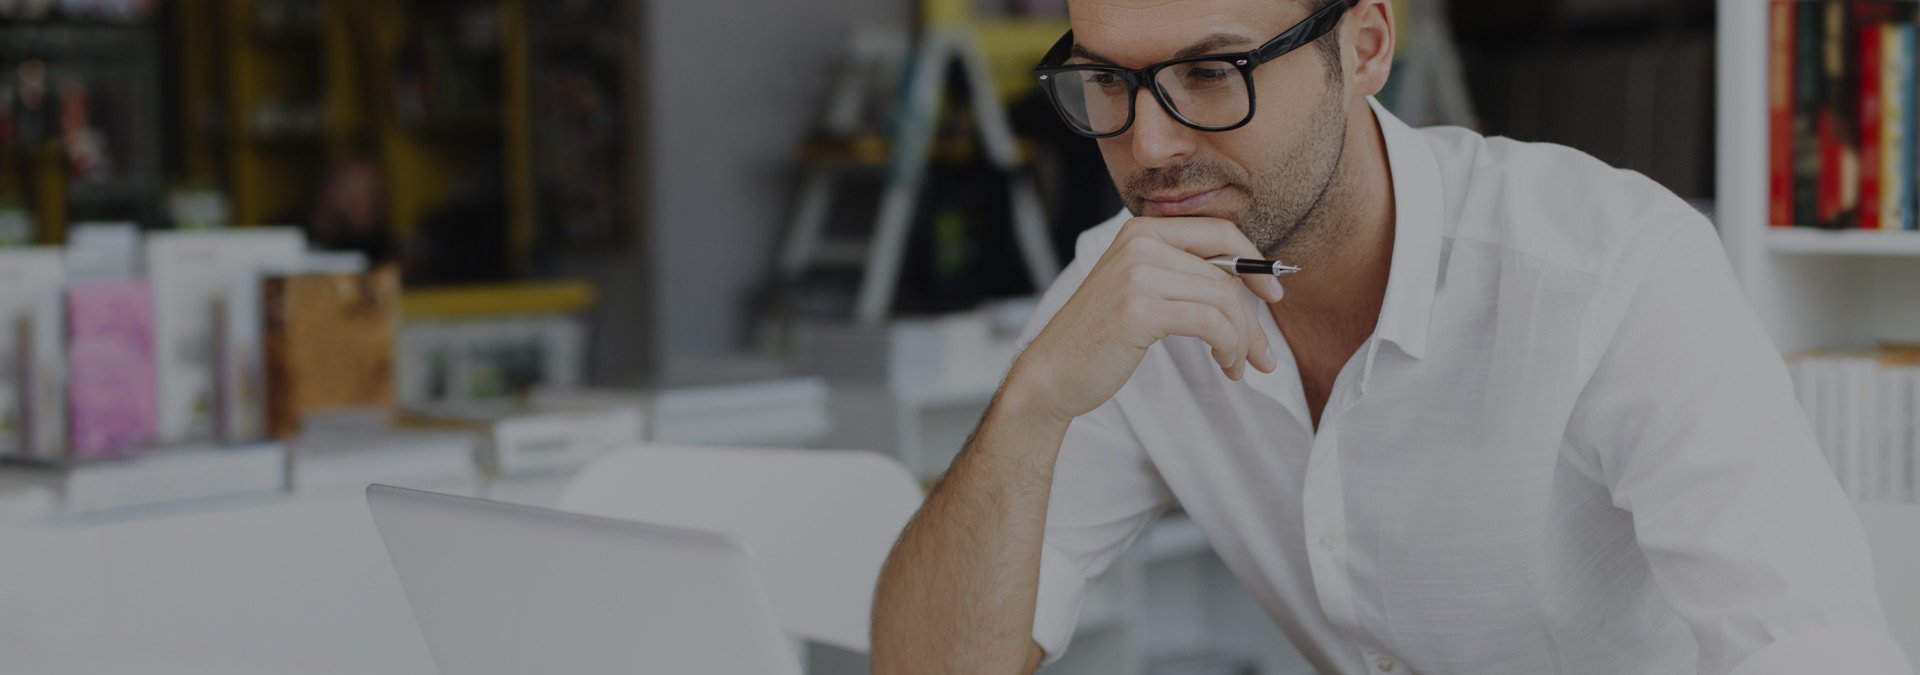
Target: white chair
(819, 522)
(1893, 534)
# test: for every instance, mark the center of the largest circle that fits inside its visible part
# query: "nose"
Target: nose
(1158, 139)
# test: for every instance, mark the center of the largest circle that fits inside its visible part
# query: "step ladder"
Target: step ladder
(907, 157)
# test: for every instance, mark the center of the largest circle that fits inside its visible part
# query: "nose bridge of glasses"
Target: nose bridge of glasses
(1156, 120)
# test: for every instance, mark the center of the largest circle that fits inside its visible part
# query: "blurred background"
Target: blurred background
(255, 254)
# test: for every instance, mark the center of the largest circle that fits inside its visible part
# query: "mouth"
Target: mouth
(1173, 204)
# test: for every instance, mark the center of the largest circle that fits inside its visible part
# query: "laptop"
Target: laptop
(503, 588)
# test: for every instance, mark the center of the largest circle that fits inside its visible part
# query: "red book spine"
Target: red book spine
(1780, 95)
(1830, 155)
(1868, 62)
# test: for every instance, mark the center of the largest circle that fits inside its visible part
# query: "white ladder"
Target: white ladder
(910, 152)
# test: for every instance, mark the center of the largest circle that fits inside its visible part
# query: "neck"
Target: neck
(1346, 277)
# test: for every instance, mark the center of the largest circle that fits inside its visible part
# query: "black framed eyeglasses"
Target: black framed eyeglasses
(1212, 92)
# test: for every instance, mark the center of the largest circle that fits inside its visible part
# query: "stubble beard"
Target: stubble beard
(1287, 203)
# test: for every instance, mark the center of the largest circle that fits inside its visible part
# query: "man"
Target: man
(1513, 416)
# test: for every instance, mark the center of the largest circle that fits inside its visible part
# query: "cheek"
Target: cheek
(1118, 155)
(1246, 150)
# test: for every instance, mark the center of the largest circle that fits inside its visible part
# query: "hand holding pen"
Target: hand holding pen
(1160, 277)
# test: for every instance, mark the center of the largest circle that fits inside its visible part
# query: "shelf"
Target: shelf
(1810, 241)
(547, 297)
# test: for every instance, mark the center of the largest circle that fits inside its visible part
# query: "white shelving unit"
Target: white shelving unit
(1811, 288)
(1809, 241)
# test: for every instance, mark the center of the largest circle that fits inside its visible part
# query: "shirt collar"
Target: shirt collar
(1414, 277)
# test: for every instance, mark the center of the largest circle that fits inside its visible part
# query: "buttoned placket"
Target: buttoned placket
(1382, 662)
(1323, 507)
(1323, 510)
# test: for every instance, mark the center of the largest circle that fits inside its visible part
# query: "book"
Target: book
(1807, 95)
(543, 434)
(1858, 402)
(1910, 450)
(1780, 113)
(1828, 380)
(1849, 72)
(164, 475)
(103, 250)
(1891, 135)
(207, 326)
(1887, 416)
(32, 354)
(1834, 119)
(1905, 116)
(1841, 119)
(1864, 410)
(329, 344)
(472, 360)
(1869, 115)
(785, 411)
(111, 386)
(333, 458)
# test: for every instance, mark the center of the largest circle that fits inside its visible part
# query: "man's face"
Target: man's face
(1267, 176)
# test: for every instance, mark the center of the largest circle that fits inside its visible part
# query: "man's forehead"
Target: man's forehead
(1138, 32)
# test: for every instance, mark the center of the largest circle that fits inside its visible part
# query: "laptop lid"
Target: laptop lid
(503, 588)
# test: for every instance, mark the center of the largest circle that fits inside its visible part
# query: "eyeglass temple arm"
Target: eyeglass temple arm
(1058, 53)
(1315, 26)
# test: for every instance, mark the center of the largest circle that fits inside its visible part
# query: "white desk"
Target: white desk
(276, 583)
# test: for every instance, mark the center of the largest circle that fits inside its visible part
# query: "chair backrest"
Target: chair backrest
(1893, 533)
(820, 523)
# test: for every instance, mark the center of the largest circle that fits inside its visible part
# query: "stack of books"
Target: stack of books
(1865, 411)
(1841, 101)
(783, 412)
(134, 369)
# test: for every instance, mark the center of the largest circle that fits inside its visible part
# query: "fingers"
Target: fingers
(1216, 290)
(1210, 325)
(1198, 239)
(1266, 286)
(1202, 237)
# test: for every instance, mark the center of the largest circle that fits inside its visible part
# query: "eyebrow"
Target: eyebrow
(1202, 46)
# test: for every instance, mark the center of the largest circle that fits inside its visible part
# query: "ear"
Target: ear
(1370, 34)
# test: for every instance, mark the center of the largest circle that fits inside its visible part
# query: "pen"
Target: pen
(1237, 266)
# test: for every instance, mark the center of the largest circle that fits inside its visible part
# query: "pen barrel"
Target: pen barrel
(1238, 266)
(1253, 266)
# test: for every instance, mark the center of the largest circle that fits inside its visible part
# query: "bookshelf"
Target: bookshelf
(271, 91)
(1809, 241)
(1810, 288)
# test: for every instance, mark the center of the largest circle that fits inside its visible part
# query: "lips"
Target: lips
(1181, 203)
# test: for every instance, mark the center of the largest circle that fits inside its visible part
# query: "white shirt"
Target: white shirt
(1568, 447)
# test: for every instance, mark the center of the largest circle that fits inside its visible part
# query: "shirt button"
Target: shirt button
(1384, 663)
(1327, 541)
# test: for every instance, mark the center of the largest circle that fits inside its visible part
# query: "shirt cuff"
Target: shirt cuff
(1056, 613)
(1845, 648)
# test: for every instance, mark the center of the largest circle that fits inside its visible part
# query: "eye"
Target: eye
(1203, 75)
(1105, 80)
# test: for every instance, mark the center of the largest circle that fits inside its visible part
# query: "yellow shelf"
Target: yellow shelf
(543, 297)
(1013, 46)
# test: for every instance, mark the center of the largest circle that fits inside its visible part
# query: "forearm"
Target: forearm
(958, 591)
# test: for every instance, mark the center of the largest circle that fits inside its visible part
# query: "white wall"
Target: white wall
(729, 89)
